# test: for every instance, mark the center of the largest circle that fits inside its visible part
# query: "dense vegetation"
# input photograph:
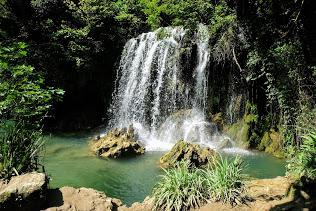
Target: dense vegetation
(24, 103)
(263, 47)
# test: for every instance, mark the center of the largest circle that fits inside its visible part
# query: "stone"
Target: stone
(193, 153)
(269, 189)
(118, 143)
(264, 194)
(83, 199)
(24, 192)
(271, 142)
(146, 205)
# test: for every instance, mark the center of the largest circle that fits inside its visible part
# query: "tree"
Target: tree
(23, 94)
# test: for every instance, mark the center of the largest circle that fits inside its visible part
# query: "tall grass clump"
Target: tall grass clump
(19, 149)
(302, 162)
(181, 188)
(185, 186)
(224, 180)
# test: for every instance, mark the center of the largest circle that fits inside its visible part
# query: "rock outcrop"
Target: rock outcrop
(25, 192)
(146, 205)
(193, 153)
(85, 199)
(267, 194)
(117, 143)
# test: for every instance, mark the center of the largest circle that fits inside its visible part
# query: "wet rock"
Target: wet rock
(84, 199)
(118, 143)
(242, 131)
(192, 153)
(187, 123)
(271, 142)
(25, 192)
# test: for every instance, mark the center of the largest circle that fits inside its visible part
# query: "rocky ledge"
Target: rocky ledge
(87, 199)
(117, 143)
(192, 153)
(21, 192)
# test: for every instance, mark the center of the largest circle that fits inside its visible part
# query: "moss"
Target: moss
(193, 153)
(248, 133)
(271, 142)
(239, 132)
(265, 141)
(162, 34)
(218, 120)
(242, 131)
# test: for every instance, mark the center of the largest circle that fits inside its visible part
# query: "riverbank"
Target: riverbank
(278, 193)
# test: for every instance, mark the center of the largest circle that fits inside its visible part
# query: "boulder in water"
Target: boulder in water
(118, 143)
(193, 153)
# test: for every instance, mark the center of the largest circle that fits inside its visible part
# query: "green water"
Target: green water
(69, 162)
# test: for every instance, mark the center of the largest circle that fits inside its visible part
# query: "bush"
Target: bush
(302, 162)
(19, 149)
(224, 180)
(185, 186)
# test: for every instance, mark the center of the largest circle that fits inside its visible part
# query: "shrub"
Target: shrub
(19, 149)
(224, 180)
(185, 186)
(302, 162)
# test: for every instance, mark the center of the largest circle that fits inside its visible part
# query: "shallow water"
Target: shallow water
(69, 162)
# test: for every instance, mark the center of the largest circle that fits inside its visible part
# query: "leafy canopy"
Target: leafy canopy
(23, 94)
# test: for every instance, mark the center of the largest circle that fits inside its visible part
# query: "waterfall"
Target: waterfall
(153, 95)
(201, 73)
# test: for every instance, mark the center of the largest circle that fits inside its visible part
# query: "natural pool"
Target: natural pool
(69, 162)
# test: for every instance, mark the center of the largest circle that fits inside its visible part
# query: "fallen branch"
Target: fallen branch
(236, 61)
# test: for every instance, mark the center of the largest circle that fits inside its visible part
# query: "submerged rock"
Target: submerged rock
(193, 153)
(117, 143)
(25, 192)
(72, 199)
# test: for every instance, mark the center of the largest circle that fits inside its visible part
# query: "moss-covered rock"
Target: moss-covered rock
(117, 143)
(242, 130)
(193, 153)
(218, 120)
(271, 142)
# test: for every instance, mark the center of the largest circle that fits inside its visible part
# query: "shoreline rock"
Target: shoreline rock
(117, 143)
(21, 192)
(69, 198)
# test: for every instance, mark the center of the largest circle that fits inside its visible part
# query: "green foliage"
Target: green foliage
(187, 13)
(185, 187)
(19, 149)
(302, 162)
(87, 17)
(223, 30)
(181, 188)
(23, 95)
(224, 180)
(162, 34)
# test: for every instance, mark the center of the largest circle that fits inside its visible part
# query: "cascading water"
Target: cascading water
(153, 95)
